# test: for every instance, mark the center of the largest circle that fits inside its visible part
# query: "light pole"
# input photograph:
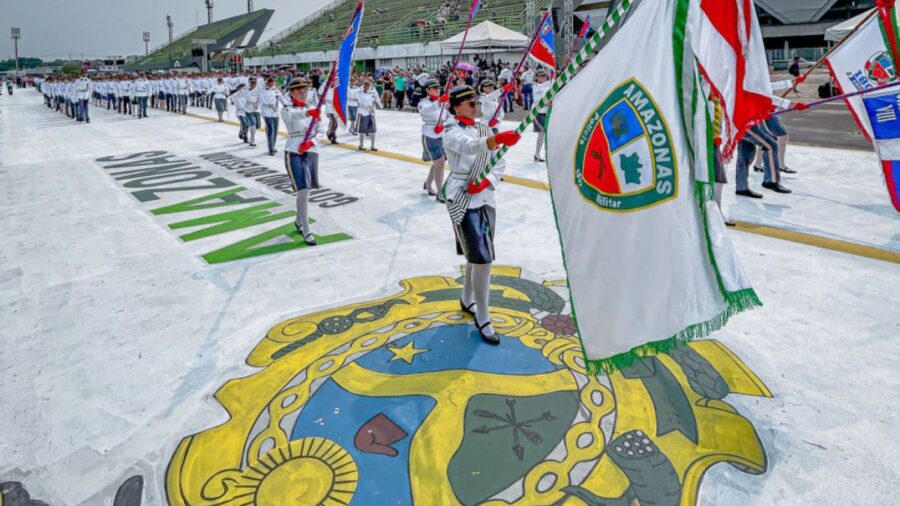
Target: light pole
(146, 43)
(171, 26)
(16, 35)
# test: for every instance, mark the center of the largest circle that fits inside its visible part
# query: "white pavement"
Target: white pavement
(116, 333)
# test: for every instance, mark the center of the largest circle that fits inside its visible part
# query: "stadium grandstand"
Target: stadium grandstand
(232, 33)
(392, 32)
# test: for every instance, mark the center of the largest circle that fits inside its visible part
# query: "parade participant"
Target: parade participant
(239, 100)
(758, 136)
(125, 95)
(774, 127)
(528, 87)
(506, 77)
(332, 115)
(169, 87)
(9, 85)
(432, 136)
(142, 93)
(182, 92)
(83, 97)
(368, 100)
(540, 89)
(251, 109)
(301, 159)
(269, 100)
(353, 105)
(469, 146)
(487, 104)
(219, 93)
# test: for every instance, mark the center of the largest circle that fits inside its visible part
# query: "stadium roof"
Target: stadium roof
(796, 11)
(228, 32)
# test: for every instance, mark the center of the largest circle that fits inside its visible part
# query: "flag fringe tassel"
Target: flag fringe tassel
(738, 302)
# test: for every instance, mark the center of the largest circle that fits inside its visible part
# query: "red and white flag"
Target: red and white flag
(728, 45)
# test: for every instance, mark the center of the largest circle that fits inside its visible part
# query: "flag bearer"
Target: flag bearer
(302, 159)
(540, 89)
(469, 146)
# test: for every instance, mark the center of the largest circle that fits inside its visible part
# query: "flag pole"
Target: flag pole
(564, 77)
(828, 53)
(328, 84)
(534, 38)
(472, 12)
(803, 106)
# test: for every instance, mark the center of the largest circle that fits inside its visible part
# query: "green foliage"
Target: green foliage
(72, 68)
(24, 63)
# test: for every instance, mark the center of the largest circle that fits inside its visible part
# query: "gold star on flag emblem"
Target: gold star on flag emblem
(406, 353)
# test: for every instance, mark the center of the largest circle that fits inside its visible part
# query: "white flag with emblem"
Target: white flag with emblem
(649, 262)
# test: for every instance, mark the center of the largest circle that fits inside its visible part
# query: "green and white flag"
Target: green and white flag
(649, 262)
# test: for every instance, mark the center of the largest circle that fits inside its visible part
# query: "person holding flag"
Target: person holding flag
(490, 102)
(301, 151)
(469, 146)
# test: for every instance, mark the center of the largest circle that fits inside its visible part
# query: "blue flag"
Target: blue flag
(345, 65)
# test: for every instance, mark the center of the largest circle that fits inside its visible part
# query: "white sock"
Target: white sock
(481, 284)
(303, 211)
(782, 148)
(468, 295)
(372, 144)
(540, 144)
(718, 191)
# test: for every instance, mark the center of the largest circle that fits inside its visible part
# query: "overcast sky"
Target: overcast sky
(98, 28)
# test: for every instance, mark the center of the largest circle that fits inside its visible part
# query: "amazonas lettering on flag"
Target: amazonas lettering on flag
(345, 65)
(884, 115)
(649, 263)
(544, 48)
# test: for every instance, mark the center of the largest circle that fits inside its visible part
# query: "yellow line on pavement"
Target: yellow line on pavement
(849, 248)
(818, 241)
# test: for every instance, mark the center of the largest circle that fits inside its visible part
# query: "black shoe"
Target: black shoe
(490, 339)
(758, 169)
(776, 187)
(427, 189)
(730, 223)
(252, 145)
(788, 170)
(440, 198)
(467, 309)
(538, 159)
(310, 239)
(362, 149)
(374, 149)
(749, 193)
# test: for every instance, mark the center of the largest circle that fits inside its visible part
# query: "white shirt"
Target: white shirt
(528, 77)
(219, 91)
(141, 88)
(368, 100)
(351, 96)
(540, 90)
(463, 144)
(252, 99)
(429, 110)
(489, 103)
(506, 75)
(269, 98)
(83, 88)
(297, 123)
(239, 99)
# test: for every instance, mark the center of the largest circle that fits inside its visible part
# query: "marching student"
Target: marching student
(331, 134)
(469, 146)
(238, 99)
(251, 109)
(125, 95)
(182, 92)
(430, 109)
(219, 92)
(269, 100)
(540, 89)
(142, 93)
(353, 105)
(302, 159)
(776, 129)
(83, 97)
(368, 100)
(488, 102)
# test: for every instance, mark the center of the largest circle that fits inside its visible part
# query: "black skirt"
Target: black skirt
(475, 235)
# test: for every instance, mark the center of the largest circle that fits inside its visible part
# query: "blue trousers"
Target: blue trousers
(757, 137)
(82, 110)
(528, 96)
(142, 107)
(271, 132)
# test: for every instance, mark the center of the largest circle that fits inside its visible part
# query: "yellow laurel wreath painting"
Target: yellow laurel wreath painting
(397, 401)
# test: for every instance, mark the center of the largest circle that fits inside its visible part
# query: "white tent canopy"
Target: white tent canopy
(488, 35)
(837, 32)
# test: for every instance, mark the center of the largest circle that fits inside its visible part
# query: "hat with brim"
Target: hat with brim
(298, 84)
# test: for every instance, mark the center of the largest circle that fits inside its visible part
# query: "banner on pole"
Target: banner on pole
(344, 67)
(544, 49)
(883, 111)
(649, 263)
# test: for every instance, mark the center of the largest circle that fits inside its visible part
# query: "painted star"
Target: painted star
(406, 353)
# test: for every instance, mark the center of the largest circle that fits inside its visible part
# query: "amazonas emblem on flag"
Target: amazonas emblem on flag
(624, 159)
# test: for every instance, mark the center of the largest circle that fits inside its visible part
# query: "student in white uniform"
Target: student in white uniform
(219, 93)
(269, 101)
(540, 89)
(430, 109)
(238, 98)
(469, 146)
(301, 158)
(368, 100)
(251, 108)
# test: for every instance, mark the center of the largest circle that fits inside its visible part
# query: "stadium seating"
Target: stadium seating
(181, 47)
(390, 22)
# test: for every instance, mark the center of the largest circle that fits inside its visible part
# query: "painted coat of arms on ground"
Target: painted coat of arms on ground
(397, 401)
